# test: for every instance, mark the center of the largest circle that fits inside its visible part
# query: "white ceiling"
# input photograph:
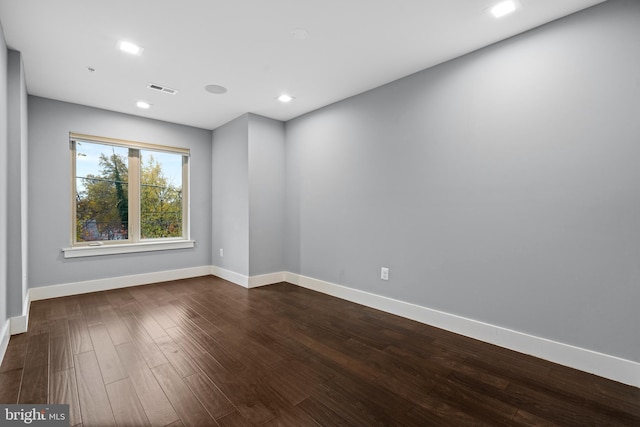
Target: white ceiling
(246, 46)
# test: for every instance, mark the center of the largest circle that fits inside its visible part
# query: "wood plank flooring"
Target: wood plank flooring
(204, 352)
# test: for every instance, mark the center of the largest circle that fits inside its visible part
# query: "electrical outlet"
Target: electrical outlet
(221, 252)
(384, 273)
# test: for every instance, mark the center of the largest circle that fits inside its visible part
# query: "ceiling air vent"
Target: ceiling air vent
(163, 89)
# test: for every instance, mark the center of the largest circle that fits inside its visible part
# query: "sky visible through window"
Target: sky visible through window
(88, 161)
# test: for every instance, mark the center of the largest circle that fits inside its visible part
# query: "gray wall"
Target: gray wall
(50, 194)
(230, 214)
(3, 180)
(266, 195)
(17, 191)
(503, 186)
(248, 195)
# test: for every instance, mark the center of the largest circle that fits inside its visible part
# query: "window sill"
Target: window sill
(87, 251)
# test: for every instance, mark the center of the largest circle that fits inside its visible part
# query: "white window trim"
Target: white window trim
(129, 144)
(114, 247)
(126, 248)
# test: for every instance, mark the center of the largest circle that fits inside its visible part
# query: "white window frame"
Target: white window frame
(134, 243)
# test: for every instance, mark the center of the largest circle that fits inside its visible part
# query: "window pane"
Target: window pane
(160, 195)
(102, 211)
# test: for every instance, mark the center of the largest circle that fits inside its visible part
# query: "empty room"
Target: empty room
(320, 213)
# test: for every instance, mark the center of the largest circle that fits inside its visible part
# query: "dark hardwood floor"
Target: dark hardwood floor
(206, 352)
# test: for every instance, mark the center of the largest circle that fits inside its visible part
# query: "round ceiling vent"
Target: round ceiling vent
(215, 89)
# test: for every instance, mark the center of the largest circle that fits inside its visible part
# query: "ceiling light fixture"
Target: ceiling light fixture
(143, 104)
(285, 98)
(130, 48)
(503, 8)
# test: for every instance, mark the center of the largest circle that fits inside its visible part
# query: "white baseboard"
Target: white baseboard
(266, 279)
(19, 324)
(63, 290)
(248, 281)
(5, 335)
(604, 365)
(231, 276)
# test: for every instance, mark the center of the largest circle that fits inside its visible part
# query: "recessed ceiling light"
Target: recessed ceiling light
(143, 104)
(285, 98)
(503, 8)
(130, 48)
(215, 89)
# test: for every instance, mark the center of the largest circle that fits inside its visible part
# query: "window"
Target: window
(127, 193)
